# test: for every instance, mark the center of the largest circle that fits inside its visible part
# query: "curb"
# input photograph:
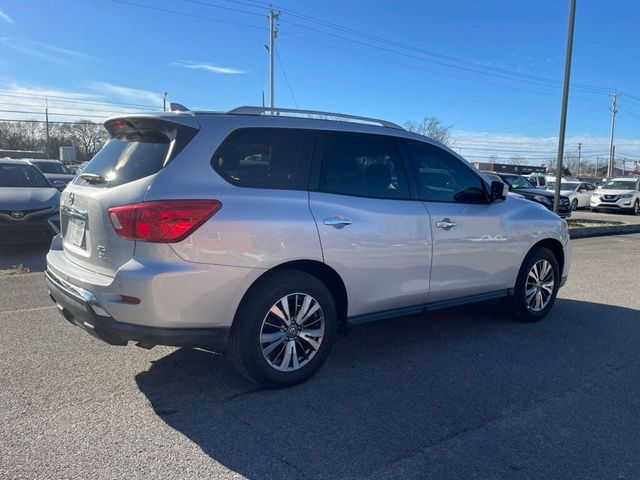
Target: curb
(586, 232)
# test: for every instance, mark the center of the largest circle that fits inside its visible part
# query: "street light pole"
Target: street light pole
(565, 101)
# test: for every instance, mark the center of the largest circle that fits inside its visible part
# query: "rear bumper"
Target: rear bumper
(83, 309)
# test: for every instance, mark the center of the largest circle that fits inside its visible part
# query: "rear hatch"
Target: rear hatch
(119, 174)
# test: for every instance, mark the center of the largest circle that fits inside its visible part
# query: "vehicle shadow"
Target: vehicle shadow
(24, 256)
(396, 390)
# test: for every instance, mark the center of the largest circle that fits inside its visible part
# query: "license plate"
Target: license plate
(75, 232)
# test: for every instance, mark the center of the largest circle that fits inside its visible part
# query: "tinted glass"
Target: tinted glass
(441, 177)
(590, 187)
(362, 165)
(12, 175)
(122, 160)
(52, 167)
(620, 185)
(517, 182)
(278, 158)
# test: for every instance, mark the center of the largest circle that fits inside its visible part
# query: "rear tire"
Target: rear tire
(271, 342)
(537, 286)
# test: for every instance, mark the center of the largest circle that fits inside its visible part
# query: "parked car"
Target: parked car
(29, 204)
(522, 186)
(538, 180)
(56, 172)
(74, 168)
(620, 194)
(578, 193)
(259, 234)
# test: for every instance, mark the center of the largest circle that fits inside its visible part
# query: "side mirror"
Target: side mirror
(499, 191)
(60, 185)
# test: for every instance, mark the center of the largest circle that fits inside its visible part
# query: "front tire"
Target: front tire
(636, 208)
(537, 285)
(284, 329)
(574, 204)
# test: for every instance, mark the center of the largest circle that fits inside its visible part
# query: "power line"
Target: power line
(17, 94)
(185, 14)
(52, 114)
(286, 78)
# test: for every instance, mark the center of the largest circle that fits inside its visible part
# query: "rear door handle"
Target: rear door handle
(445, 224)
(337, 221)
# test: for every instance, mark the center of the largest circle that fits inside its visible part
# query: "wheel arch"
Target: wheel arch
(556, 248)
(327, 275)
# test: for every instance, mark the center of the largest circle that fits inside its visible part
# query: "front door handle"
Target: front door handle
(337, 221)
(445, 224)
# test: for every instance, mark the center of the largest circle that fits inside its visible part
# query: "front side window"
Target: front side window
(277, 158)
(441, 177)
(362, 165)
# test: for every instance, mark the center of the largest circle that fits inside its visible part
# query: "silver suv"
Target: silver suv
(259, 233)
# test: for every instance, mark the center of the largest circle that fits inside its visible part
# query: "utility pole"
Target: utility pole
(579, 155)
(274, 15)
(46, 117)
(164, 102)
(565, 101)
(611, 170)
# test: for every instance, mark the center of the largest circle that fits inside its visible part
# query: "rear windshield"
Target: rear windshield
(124, 160)
(24, 176)
(52, 167)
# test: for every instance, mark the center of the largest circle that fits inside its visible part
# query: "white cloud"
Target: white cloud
(479, 146)
(207, 67)
(44, 51)
(28, 102)
(5, 17)
(139, 96)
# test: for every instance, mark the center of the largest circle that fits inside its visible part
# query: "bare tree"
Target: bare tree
(517, 160)
(22, 136)
(88, 137)
(431, 127)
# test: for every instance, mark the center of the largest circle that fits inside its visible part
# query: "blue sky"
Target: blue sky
(102, 51)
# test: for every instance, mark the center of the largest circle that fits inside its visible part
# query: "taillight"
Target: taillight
(163, 221)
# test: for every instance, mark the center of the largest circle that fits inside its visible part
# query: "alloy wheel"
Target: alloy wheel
(292, 332)
(539, 286)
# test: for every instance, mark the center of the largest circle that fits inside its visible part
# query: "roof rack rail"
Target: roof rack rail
(311, 113)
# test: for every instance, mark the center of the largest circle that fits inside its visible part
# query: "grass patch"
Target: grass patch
(592, 223)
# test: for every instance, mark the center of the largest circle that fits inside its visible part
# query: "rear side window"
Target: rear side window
(441, 177)
(276, 158)
(362, 165)
(52, 167)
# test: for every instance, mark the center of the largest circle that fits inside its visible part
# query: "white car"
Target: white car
(621, 194)
(579, 193)
(54, 171)
(538, 179)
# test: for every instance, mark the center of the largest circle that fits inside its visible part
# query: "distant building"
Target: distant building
(508, 168)
(23, 154)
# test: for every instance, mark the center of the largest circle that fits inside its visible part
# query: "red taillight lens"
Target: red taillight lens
(164, 221)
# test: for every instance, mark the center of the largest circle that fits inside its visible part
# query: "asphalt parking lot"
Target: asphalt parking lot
(465, 393)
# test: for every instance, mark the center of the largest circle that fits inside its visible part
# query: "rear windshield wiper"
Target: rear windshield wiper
(93, 178)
